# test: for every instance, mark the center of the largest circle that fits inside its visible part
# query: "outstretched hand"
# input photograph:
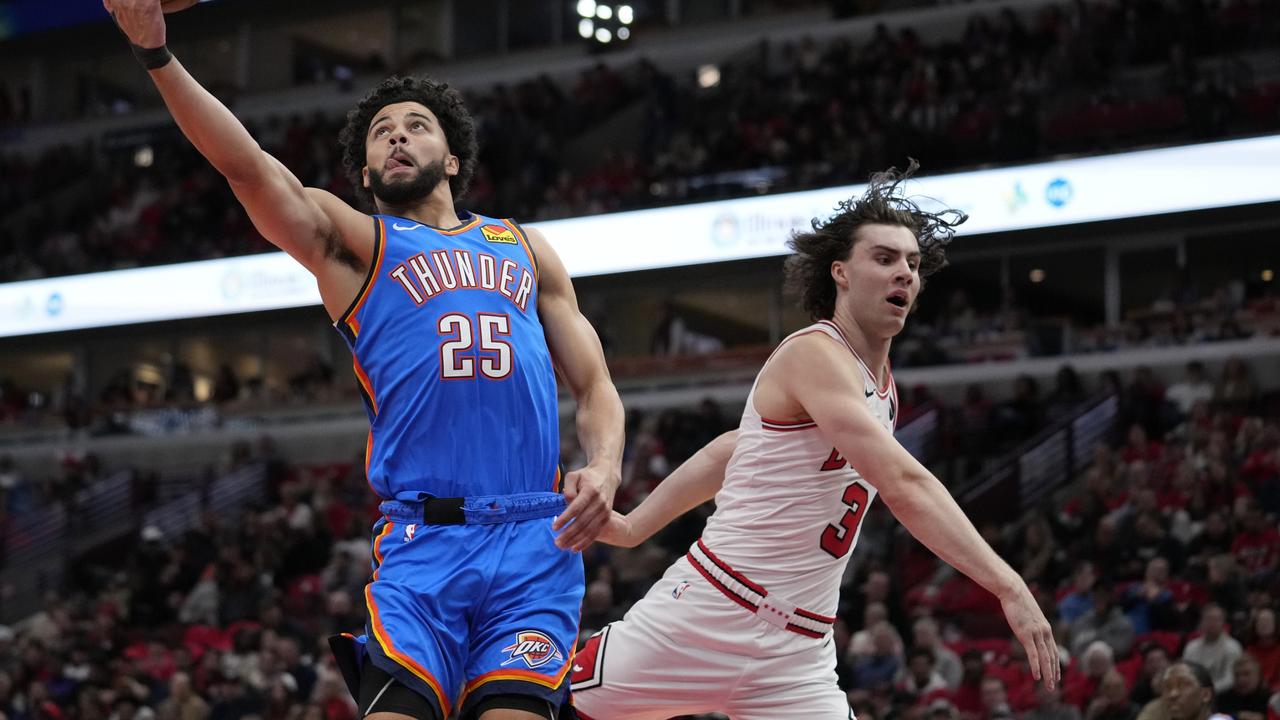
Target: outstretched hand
(589, 492)
(1034, 632)
(142, 21)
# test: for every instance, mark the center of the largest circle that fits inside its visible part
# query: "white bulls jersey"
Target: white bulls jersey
(791, 507)
(742, 624)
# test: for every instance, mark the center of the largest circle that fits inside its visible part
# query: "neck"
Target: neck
(436, 209)
(873, 350)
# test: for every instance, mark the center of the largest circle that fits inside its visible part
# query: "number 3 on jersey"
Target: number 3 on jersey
(460, 335)
(837, 539)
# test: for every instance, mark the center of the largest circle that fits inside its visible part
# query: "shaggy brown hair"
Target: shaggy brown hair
(808, 269)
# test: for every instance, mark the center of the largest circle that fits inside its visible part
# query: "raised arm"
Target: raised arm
(304, 222)
(817, 374)
(696, 481)
(576, 352)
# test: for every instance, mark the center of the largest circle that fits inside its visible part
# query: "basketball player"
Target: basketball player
(454, 321)
(742, 624)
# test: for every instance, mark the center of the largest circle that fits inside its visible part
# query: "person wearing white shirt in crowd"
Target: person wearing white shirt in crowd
(1214, 649)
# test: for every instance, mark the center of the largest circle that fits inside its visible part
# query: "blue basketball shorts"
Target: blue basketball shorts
(463, 612)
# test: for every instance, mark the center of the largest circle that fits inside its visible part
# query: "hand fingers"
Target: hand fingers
(586, 534)
(586, 525)
(1056, 658)
(1043, 670)
(1044, 661)
(577, 502)
(587, 521)
(570, 486)
(1033, 650)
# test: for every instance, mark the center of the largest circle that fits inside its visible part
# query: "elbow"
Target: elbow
(599, 390)
(903, 491)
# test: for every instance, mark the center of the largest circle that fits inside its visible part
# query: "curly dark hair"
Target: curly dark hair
(808, 269)
(444, 101)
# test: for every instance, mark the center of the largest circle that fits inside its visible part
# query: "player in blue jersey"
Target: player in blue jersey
(455, 322)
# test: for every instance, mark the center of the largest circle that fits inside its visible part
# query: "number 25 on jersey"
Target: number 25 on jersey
(461, 334)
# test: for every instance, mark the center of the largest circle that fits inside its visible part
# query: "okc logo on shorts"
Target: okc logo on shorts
(409, 530)
(534, 648)
(679, 589)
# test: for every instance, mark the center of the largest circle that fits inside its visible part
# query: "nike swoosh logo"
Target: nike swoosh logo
(415, 226)
(577, 668)
(869, 392)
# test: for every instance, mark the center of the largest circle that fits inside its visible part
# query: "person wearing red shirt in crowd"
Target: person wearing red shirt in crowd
(1080, 682)
(1139, 447)
(1257, 545)
(967, 697)
(1264, 646)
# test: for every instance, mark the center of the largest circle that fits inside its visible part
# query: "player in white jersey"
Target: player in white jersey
(742, 624)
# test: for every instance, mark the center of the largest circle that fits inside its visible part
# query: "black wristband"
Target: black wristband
(152, 58)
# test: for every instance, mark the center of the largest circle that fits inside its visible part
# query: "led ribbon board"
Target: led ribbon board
(1136, 184)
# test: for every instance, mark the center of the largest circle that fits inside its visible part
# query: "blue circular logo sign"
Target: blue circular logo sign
(1059, 192)
(53, 306)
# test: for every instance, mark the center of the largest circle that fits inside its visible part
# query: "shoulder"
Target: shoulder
(809, 347)
(553, 276)
(537, 239)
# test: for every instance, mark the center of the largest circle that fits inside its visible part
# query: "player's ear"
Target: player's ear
(452, 165)
(840, 274)
(364, 176)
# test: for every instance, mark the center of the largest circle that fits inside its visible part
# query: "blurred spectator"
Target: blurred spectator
(1104, 621)
(1077, 600)
(1264, 646)
(1193, 388)
(1236, 389)
(1049, 706)
(968, 694)
(1112, 701)
(182, 703)
(1151, 603)
(1146, 685)
(1080, 683)
(995, 700)
(876, 670)
(924, 633)
(1257, 545)
(920, 678)
(1040, 559)
(1214, 650)
(1246, 699)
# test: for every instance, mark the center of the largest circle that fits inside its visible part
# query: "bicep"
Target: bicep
(574, 344)
(287, 214)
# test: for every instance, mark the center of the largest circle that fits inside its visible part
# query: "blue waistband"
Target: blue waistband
(485, 509)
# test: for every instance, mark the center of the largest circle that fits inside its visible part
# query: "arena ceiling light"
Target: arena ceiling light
(604, 23)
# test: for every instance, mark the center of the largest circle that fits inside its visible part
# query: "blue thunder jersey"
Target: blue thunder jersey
(452, 361)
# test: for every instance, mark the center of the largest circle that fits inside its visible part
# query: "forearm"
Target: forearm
(932, 516)
(600, 420)
(209, 125)
(696, 481)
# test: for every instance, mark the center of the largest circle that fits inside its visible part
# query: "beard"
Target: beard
(405, 192)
